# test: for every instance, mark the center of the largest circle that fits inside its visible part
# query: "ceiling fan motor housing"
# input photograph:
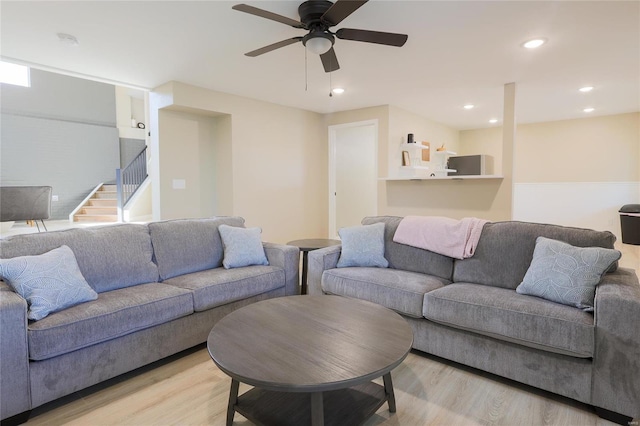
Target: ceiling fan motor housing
(311, 11)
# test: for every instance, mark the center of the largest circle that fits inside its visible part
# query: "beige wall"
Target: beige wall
(269, 163)
(571, 172)
(272, 161)
(482, 198)
(598, 149)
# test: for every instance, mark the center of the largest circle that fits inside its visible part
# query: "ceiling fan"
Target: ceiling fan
(317, 16)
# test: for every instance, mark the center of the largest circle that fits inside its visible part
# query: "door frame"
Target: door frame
(333, 232)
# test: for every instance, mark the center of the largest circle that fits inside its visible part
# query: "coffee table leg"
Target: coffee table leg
(317, 409)
(388, 389)
(233, 400)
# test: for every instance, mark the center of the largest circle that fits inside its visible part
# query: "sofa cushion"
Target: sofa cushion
(409, 258)
(188, 245)
(505, 250)
(401, 291)
(362, 246)
(219, 286)
(505, 315)
(242, 247)
(49, 282)
(114, 314)
(566, 274)
(109, 257)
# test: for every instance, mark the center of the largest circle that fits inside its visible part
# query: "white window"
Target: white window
(14, 74)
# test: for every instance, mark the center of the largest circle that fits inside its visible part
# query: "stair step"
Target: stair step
(108, 188)
(95, 218)
(100, 210)
(103, 202)
(112, 195)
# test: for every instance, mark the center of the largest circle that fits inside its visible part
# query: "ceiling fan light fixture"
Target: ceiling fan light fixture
(318, 42)
(536, 42)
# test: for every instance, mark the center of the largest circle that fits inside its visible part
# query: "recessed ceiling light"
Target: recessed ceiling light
(468, 106)
(338, 90)
(532, 44)
(493, 120)
(68, 39)
(586, 89)
(589, 109)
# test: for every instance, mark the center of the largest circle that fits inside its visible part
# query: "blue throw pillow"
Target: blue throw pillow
(48, 282)
(565, 274)
(363, 246)
(242, 247)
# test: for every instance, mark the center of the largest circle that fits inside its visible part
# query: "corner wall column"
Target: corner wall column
(509, 136)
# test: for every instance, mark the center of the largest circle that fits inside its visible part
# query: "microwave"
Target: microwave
(466, 165)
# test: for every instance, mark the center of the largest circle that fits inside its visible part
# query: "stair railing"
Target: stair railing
(129, 179)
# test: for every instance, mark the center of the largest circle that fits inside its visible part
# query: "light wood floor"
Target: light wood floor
(190, 390)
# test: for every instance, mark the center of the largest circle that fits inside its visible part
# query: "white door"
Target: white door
(353, 174)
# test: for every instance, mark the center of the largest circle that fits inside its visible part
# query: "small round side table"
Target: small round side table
(305, 247)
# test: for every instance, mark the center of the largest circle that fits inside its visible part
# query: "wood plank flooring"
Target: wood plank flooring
(190, 390)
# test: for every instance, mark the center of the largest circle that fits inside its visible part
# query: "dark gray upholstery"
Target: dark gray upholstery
(135, 320)
(507, 315)
(25, 203)
(561, 374)
(408, 258)
(215, 287)
(188, 245)
(616, 369)
(109, 257)
(15, 390)
(505, 251)
(479, 320)
(395, 289)
(114, 314)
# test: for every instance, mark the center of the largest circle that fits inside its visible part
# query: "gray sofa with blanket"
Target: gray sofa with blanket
(468, 311)
(161, 288)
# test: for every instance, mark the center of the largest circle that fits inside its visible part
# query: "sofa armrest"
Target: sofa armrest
(616, 359)
(15, 390)
(287, 258)
(319, 261)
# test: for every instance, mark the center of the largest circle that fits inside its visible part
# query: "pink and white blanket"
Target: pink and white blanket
(443, 235)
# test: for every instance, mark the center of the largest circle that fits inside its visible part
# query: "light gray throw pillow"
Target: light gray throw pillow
(363, 246)
(242, 247)
(48, 282)
(566, 274)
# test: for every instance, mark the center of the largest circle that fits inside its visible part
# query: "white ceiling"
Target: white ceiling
(458, 52)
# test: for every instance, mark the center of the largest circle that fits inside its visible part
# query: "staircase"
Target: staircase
(101, 207)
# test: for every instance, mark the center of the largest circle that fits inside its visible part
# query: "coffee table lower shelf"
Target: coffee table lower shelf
(351, 406)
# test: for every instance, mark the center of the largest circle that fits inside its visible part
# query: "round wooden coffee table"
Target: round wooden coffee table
(310, 359)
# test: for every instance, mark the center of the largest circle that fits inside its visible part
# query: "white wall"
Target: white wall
(592, 205)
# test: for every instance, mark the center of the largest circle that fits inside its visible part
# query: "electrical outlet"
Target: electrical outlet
(54, 198)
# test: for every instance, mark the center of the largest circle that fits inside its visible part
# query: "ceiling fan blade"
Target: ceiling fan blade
(330, 61)
(390, 39)
(273, 46)
(340, 10)
(268, 15)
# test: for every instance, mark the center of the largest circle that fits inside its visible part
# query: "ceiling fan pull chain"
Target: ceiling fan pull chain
(306, 78)
(330, 85)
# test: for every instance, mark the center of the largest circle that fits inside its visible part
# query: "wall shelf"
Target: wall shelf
(405, 146)
(471, 177)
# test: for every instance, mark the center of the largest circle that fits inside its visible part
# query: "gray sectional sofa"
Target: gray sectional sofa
(161, 288)
(468, 311)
